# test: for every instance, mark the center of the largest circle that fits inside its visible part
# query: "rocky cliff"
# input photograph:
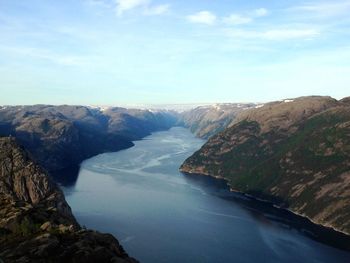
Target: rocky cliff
(36, 223)
(295, 153)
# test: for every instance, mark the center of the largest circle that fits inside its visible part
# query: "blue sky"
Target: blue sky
(158, 51)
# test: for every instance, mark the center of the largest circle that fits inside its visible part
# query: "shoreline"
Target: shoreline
(252, 197)
(73, 169)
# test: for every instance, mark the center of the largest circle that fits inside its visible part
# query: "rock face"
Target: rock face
(36, 223)
(295, 153)
(205, 121)
(60, 137)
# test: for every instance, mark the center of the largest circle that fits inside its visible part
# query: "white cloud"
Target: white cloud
(238, 19)
(145, 5)
(126, 5)
(43, 54)
(274, 34)
(285, 34)
(260, 12)
(202, 17)
(157, 10)
(235, 19)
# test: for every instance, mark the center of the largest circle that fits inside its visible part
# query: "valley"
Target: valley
(292, 153)
(162, 215)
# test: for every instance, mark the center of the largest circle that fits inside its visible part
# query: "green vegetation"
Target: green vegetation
(26, 227)
(302, 165)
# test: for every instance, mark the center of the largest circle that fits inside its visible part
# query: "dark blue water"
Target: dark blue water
(161, 215)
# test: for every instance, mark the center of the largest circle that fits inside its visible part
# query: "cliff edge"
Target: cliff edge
(37, 224)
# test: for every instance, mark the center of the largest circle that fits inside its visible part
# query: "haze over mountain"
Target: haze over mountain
(205, 121)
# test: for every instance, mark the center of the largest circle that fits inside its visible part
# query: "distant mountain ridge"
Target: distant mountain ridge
(205, 121)
(60, 137)
(295, 153)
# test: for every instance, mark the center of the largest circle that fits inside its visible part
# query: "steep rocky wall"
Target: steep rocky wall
(37, 224)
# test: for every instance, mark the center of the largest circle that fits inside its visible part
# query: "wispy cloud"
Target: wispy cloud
(148, 8)
(126, 5)
(43, 54)
(157, 10)
(286, 34)
(235, 19)
(241, 19)
(260, 12)
(324, 9)
(264, 32)
(207, 17)
(202, 17)
(273, 34)
(100, 3)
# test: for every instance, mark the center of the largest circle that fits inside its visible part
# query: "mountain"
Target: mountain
(295, 153)
(136, 124)
(205, 121)
(60, 137)
(37, 224)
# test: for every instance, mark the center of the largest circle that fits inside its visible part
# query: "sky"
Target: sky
(110, 52)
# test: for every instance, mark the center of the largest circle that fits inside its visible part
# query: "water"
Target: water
(161, 215)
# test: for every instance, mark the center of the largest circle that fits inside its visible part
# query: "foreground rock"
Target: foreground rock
(36, 223)
(295, 153)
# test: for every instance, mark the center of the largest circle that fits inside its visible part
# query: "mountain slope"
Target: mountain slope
(205, 121)
(295, 153)
(36, 223)
(60, 137)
